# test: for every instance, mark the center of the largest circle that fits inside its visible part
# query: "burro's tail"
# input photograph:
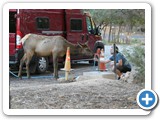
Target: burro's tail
(25, 38)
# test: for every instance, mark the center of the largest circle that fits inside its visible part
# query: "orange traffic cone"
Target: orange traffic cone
(67, 66)
(102, 66)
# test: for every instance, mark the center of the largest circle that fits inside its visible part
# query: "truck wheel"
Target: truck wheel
(42, 65)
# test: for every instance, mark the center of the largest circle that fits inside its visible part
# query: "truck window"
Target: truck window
(76, 25)
(12, 22)
(90, 25)
(42, 23)
(93, 26)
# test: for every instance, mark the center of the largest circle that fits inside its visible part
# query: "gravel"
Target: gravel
(82, 93)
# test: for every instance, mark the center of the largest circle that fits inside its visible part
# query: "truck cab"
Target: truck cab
(73, 24)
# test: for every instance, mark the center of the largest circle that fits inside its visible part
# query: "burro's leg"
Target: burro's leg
(29, 57)
(55, 66)
(21, 65)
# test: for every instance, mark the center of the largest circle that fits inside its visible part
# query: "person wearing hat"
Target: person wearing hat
(122, 65)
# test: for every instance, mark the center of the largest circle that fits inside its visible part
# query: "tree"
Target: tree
(134, 17)
(118, 17)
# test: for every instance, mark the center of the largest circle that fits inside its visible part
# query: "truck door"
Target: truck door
(91, 32)
(75, 28)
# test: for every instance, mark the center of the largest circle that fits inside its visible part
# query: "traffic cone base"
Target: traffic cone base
(102, 66)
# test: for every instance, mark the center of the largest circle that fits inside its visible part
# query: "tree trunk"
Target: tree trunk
(110, 28)
(129, 29)
(104, 34)
(118, 34)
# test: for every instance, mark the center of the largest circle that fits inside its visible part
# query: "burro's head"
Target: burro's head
(85, 50)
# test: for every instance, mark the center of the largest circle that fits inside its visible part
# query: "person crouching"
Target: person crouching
(122, 64)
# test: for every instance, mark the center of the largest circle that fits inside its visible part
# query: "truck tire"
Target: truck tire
(42, 65)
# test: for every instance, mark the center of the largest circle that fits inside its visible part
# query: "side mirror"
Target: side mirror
(98, 31)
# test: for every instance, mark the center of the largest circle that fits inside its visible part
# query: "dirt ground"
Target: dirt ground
(82, 93)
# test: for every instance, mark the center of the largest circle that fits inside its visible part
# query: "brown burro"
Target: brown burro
(43, 46)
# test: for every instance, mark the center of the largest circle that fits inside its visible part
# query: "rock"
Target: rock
(131, 99)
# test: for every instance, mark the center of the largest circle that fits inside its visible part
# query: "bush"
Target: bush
(136, 56)
(137, 41)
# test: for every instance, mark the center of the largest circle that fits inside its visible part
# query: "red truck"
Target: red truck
(73, 24)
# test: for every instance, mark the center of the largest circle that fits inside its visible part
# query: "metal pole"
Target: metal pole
(114, 47)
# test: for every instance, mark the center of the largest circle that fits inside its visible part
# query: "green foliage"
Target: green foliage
(104, 17)
(106, 42)
(136, 56)
(124, 19)
(137, 41)
(134, 41)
